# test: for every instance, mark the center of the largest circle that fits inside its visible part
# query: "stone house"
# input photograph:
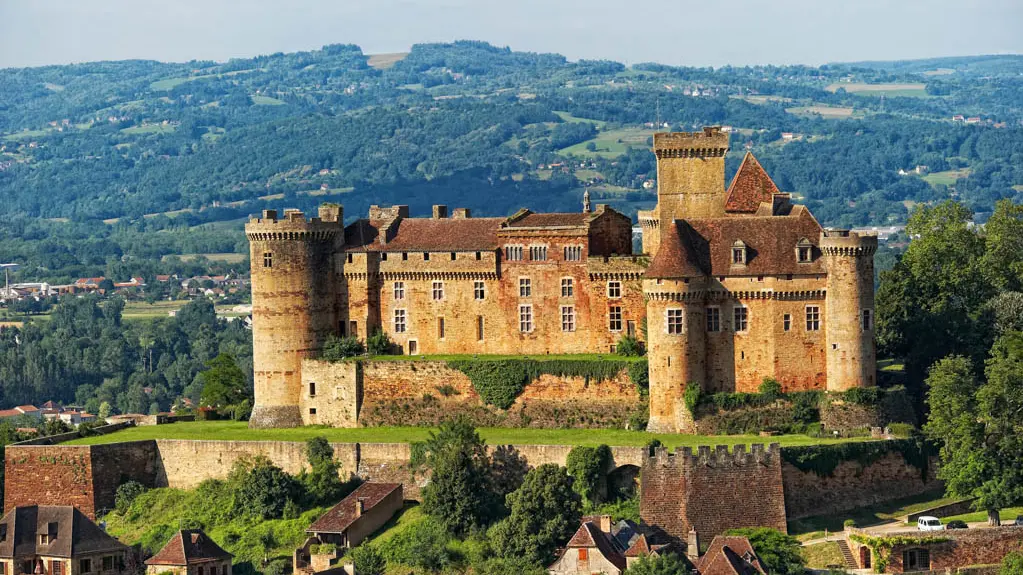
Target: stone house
(730, 555)
(346, 525)
(599, 546)
(190, 552)
(939, 551)
(57, 540)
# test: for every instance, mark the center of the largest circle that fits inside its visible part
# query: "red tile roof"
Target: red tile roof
(675, 257)
(639, 548)
(750, 187)
(589, 536)
(189, 546)
(727, 555)
(531, 220)
(425, 234)
(344, 514)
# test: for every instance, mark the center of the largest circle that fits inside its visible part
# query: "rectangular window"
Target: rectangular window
(584, 554)
(268, 260)
(479, 328)
(786, 322)
(537, 253)
(383, 256)
(525, 318)
(404, 256)
(525, 287)
(312, 389)
(573, 253)
(56, 568)
(614, 289)
(440, 327)
(312, 411)
(674, 321)
(813, 318)
(567, 287)
(740, 317)
(85, 566)
(108, 563)
(438, 291)
(630, 328)
(353, 328)
(399, 321)
(614, 318)
(567, 318)
(513, 253)
(713, 319)
(213, 570)
(479, 255)
(453, 256)
(399, 290)
(868, 320)
(479, 290)
(804, 254)
(349, 258)
(738, 255)
(426, 256)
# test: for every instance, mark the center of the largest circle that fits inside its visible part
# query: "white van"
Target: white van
(927, 523)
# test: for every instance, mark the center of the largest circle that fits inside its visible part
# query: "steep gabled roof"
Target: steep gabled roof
(344, 514)
(589, 536)
(74, 533)
(727, 555)
(750, 187)
(189, 546)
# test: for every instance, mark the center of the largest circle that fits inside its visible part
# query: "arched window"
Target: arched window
(739, 253)
(804, 251)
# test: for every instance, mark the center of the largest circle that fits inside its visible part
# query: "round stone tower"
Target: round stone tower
(849, 314)
(675, 349)
(295, 266)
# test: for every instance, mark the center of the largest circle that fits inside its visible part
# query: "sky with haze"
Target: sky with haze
(677, 32)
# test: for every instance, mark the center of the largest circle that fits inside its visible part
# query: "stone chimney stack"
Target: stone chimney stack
(360, 507)
(693, 546)
(440, 212)
(461, 214)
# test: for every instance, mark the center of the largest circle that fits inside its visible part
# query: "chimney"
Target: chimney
(693, 546)
(440, 211)
(270, 215)
(331, 213)
(781, 204)
(461, 214)
(360, 507)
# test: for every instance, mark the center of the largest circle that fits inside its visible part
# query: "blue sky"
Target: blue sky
(680, 32)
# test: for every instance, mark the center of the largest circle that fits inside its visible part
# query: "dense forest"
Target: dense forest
(128, 162)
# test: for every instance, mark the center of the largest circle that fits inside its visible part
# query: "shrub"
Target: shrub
(339, 348)
(849, 523)
(665, 564)
(424, 544)
(639, 374)
(779, 553)
(588, 467)
(640, 417)
(691, 396)
(1012, 564)
(262, 489)
(862, 395)
(379, 344)
(446, 390)
(368, 561)
(242, 411)
(629, 346)
(770, 388)
(126, 494)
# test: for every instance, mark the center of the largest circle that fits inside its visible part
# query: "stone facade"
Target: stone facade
(712, 491)
(961, 548)
(742, 285)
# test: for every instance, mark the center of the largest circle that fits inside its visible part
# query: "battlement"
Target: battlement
(295, 226)
(711, 142)
(842, 242)
(718, 456)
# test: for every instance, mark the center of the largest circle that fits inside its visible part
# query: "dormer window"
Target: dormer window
(738, 253)
(804, 251)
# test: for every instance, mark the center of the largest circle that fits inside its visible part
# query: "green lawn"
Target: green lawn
(821, 555)
(948, 177)
(1007, 515)
(566, 117)
(909, 89)
(612, 142)
(266, 101)
(239, 431)
(149, 129)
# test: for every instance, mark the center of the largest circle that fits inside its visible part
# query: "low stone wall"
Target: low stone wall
(947, 510)
(408, 392)
(71, 435)
(962, 548)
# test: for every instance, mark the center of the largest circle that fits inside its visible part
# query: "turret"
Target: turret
(295, 266)
(691, 174)
(849, 315)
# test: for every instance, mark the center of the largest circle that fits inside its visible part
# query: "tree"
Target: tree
(261, 489)
(667, 564)
(223, 383)
(978, 425)
(779, 553)
(545, 512)
(368, 561)
(104, 410)
(322, 482)
(457, 495)
(126, 494)
(1003, 236)
(588, 467)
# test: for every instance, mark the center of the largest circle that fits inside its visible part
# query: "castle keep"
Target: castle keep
(735, 285)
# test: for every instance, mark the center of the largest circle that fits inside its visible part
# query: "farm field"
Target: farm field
(265, 100)
(824, 111)
(910, 89)
(149, 129)
(611, 143)
(947, 177)
(384, 61)
(239, 431)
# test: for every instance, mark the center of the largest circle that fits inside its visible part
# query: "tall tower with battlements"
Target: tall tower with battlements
(295, 270)
(849, 316)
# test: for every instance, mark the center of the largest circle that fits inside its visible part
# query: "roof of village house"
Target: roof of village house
(750, 187)
(529, 219)
(27, 408)
(589, 536)
(703, 246)
(73, 533)
(730, 555)
(344, 514)
(425, 234)
(189, 546)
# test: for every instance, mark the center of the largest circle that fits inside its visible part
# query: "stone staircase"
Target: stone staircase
(847, 555)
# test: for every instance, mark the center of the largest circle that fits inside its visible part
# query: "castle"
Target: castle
(735, 284)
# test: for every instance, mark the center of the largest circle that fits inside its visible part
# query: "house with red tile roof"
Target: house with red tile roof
(190, 552)
(599, 546)
(730, 555)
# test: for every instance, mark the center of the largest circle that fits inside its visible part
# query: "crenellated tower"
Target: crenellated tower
(849, 316)
(295, 270)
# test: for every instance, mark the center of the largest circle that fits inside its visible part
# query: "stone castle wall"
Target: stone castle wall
(349, 394)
